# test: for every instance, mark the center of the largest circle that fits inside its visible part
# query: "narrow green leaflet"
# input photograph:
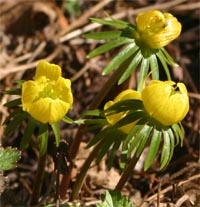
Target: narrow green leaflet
(164, 64)
(119, 58)
(154, 67)
(172, 141)
(143, 73)
(56, 132)
(114, 149)
(67, 120)
(107, 144)
(153, 148)
(144, 134)
(16, 91)
(168, 58)
(108, 46)
(13, 103)
(179, 133)
(125, 105)
(99, 136)
(165, 155)
(114, 22)
(95, 112)
(28, 133)
(134, 63)
(103, 35)
(131, 117)
(8, 158)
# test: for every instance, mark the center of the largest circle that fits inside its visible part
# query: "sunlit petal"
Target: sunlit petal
(50, 71)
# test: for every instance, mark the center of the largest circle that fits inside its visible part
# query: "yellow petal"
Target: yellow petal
(124, 95)
(30, 92)
(51, 71)
(63, 90)
(165, 101)
(48, 110)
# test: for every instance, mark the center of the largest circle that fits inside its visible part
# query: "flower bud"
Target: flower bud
(48, 97)
(166, 101)
(157, 29)
(114, 118)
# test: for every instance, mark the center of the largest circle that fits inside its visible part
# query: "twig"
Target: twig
(84, 18)
(5, 71)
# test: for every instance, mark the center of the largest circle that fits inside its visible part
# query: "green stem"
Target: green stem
(96, 103)
(127, 172)
(38, 180)
(84, 169)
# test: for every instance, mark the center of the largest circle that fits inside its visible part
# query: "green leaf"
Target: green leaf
(130, 118)
(103, 35)
(164, 64)
(179, 133)
(67, 120)
(120, 136)
(42, 138)
(95, 112)
(111, 136)
(8, 158)
(13, 103)
(99, 136)
(12, 125)
(115, 199)
(134, 63)
(119, 58)
(28, 133)
(114, 22)
(144, 135)
(108, 202)
(124, 106)
(165, 155)
(172, 141)
(154, 67)
(16, 91)
(56, 132)
(153, 148)
(143, 73)
(168, 58)
(108, 46)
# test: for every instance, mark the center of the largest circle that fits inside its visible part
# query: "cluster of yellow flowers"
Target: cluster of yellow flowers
(48, 97)
(165, 101)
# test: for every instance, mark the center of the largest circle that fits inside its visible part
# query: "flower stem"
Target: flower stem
(38, 180)
(84, 169)
(127, 172)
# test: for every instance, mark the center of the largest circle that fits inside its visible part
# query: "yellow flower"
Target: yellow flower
(124, 95)
(166, 101)
(48, 97)
(157, 29)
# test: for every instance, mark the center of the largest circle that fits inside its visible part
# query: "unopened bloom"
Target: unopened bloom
(157, 29)
(166, 101)
(48, 97)
(114, 118)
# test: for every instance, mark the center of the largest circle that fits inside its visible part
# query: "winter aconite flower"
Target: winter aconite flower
(166, 101)
(157, 29)
(48, 97)
(124, 95)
